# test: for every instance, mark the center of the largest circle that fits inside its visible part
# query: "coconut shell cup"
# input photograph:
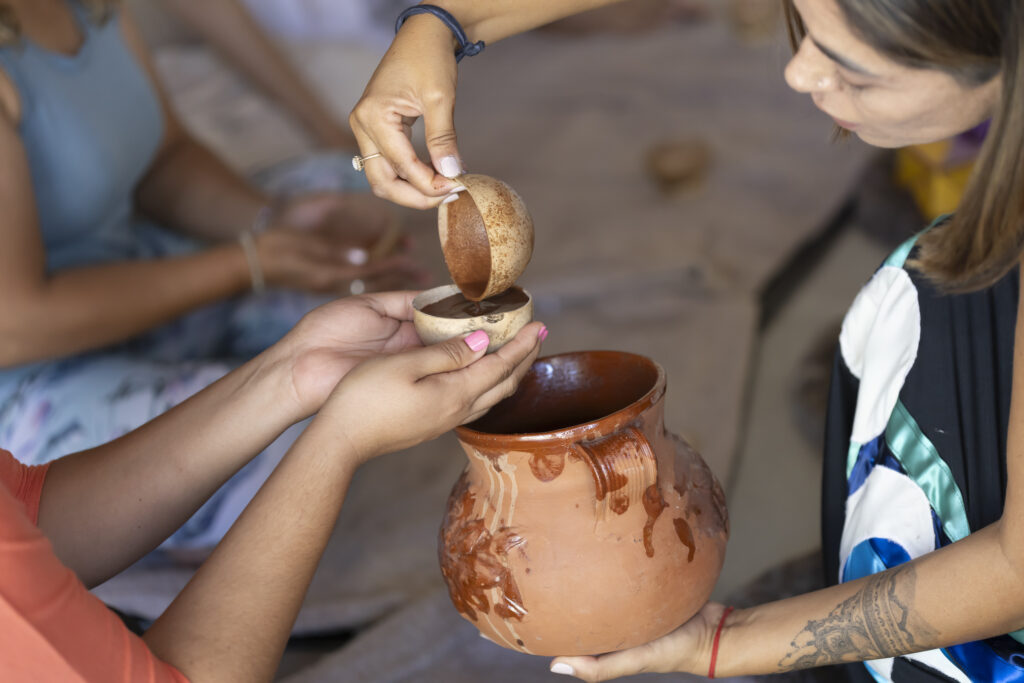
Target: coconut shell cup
(486, 236)
(500, 327)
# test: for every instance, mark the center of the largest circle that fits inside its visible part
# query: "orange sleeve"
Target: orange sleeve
(25, 483)
(53, 628)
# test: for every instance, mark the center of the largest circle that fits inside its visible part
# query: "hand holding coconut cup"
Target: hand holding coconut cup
(487, 240)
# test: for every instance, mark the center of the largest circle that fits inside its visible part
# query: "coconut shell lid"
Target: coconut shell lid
(486, 236)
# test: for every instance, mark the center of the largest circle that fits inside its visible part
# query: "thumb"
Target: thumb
(605, 667)
(451, 355)
(439, 131)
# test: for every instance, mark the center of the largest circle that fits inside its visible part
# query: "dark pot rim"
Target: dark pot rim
(586, 431)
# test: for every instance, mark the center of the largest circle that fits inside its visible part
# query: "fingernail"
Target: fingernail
(478, 341)
(450, 167)
(562, 668)
(357, 257)
(449, 199)
(543, 334)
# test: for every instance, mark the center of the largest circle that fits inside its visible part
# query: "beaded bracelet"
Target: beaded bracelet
(466, 48)
(252, 259)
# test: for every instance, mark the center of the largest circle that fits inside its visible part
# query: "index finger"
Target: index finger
(399, 175)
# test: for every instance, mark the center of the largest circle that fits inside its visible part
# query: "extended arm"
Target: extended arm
(500, 19)
(233, 619)
(159, 474)
(417, 77)
(228, 26)
(967, 591)
(48, 315)
(187, 186)
(970, 590)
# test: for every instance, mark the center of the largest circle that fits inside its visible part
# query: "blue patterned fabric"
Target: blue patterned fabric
(916, 443)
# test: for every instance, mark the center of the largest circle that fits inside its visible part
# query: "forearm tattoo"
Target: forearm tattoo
(878, 621)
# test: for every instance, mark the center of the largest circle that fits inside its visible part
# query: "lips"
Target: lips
(848, 125)
(844, 124)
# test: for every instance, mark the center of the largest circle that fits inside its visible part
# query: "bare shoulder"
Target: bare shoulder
(133, 35)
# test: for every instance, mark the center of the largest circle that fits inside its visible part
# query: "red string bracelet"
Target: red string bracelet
(714, 645)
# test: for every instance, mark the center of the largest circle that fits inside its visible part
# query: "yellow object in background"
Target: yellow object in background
(934, 175)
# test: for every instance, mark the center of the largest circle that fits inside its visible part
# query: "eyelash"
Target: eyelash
(856, 87)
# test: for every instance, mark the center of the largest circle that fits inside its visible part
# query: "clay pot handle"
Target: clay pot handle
(623, 465)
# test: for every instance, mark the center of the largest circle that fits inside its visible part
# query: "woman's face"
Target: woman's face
(885, 103)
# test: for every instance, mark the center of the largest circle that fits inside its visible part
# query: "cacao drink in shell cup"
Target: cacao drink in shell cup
(487, 240)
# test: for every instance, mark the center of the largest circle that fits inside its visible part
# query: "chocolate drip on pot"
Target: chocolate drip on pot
(472, 561)
(654, 504)
(547, 466)
(546, 463)
(702, 492)
(685, 534)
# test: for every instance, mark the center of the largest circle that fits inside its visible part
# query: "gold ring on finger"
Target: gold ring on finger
(359, 162)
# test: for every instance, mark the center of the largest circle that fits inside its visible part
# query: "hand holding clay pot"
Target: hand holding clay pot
(395, 401)
(687, 650)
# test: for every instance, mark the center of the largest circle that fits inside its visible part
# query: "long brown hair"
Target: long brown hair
(98, 10)
(974, 41)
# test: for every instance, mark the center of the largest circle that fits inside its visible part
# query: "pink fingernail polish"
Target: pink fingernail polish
(450, 198)
(478, 340)
(543, 334)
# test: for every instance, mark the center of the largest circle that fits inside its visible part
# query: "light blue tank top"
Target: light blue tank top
(90, 125)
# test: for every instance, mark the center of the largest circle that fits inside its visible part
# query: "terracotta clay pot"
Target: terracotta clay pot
(486, 236)
(580, 525)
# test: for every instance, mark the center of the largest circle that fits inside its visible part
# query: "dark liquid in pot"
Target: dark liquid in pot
(571, 389)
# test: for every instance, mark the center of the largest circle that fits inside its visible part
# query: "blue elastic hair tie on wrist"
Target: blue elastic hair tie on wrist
(466, 48)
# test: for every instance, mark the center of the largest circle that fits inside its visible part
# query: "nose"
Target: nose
(810, 71)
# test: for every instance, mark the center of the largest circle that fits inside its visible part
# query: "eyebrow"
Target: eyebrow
(840, 60)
